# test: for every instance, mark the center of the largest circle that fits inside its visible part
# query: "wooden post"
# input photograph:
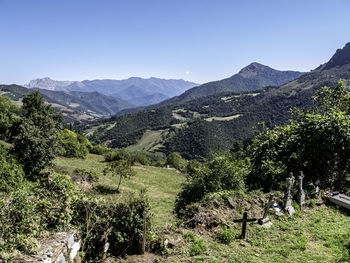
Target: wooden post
(143, 242)
(244, 225)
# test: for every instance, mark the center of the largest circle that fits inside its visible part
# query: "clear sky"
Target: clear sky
(197, 40)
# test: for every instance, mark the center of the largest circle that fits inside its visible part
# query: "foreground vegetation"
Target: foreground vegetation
(37, 200)
(318, 234)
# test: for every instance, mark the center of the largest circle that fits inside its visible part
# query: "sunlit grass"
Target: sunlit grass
(161, 184)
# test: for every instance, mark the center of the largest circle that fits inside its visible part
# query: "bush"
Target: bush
(198, 247)
(220, 173)
(175, 160)
(19, 220)
(120, 224)
(29, 212)
(72, 144)
(226, 235)
(9, 118)
(85, 175)
(11, 173)
(141, 159)
(117, 155)
(55, 197)
(99, 149)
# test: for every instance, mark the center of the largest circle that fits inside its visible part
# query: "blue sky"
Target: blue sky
(197, 40)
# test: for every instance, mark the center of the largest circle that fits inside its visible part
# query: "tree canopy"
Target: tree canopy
(36, 141)
(316, 141)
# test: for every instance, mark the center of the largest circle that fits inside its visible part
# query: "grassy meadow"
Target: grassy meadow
(161, 184)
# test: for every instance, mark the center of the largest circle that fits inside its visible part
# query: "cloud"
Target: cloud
(187, 73)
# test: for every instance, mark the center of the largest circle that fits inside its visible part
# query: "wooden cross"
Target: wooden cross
(244, 221)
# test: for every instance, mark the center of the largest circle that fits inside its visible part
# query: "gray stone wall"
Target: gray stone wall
(62, 247)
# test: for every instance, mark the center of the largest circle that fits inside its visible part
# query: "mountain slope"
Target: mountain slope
(74, 106)
(129, 89)
(16, 93)
(252, 77)
(93, 103)
(217, 121)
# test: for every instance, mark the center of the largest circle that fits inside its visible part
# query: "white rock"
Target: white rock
(290, 210)
(74, 250)
(70, 241)
(61, 259)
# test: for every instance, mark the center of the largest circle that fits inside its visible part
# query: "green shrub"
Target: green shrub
(28, 212)
(117, 155)
(55, 196)
(216, 174)
(141, 159)
(11, 173)
(19, 220)
(120, 223)
(85, 175)
(99, 149)
(175, 160)
(189, 237)
(9, 117)
(72, 144)
(226, 235)
(198, 247)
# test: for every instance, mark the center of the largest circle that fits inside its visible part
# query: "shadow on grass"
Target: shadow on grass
(106, 189)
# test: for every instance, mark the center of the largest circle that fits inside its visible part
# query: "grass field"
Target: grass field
(149, 141)
(162, 184)
(228, 118)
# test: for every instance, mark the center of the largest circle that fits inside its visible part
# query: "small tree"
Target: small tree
(175, 160)
(121, 168)
(36, 141)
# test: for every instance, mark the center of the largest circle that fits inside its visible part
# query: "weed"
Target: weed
(226, 235)
(198, 247)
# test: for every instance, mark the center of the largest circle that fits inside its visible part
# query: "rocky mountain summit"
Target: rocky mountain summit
(340, 58)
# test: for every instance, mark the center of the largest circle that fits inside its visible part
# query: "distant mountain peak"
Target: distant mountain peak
(341, 57)
(47, 83)
(253, 69)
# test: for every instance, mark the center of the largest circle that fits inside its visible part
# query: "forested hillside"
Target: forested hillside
(88, 102)
(74, 106)
(253, 77)
(215, 122)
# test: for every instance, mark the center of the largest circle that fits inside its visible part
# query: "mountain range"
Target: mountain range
(136, 91)
(215, 122)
